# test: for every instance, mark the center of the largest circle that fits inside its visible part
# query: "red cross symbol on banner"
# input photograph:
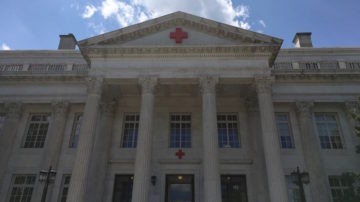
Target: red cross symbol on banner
(178, 35)
(180, 154)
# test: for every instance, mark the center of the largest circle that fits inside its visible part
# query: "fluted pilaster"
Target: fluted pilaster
(274, 168)
(13, 114)
(143, 150)
(86, 141)
(312, 153)
(212, 186)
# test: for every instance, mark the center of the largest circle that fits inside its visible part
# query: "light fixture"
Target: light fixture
(180, 177)
(48, 177)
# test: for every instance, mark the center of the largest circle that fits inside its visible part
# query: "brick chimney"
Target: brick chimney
(67, 42)
(302, 40)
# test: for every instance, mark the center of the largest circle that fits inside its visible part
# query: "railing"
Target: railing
(316, 66)
(6, 69)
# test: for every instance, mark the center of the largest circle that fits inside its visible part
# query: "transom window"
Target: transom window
(2, 122)
(131, 127)
(21, 188)
(228, 136)
(339, 187)
(233, 188)
(180, 131)
(293, 189)
(37, 129)
(328, 130)
(74, 138)
(284, 130)
(65, 183)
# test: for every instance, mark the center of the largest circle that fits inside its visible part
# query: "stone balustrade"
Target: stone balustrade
(310, 66)
(61, 68)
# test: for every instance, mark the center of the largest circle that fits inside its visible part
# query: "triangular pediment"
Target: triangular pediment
(200, 31)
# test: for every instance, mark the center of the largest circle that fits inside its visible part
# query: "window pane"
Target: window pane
(123, 187)
(233, 188)
(180, 131)
(328, 131)
(131, 126)
(21, 188)
(228, 136)
(37, 128)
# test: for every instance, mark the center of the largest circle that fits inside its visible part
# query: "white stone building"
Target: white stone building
(178, 108)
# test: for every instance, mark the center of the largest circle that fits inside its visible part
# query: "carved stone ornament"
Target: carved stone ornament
(60, 108)
(13, 110)
(95, 85)
(148, 85)
(263, 84)
(305, 108)
(208, 84)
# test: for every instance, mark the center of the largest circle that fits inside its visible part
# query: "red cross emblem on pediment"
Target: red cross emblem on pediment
(178, 35)
(180, 154)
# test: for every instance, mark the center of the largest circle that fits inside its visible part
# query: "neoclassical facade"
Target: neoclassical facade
(178, 108)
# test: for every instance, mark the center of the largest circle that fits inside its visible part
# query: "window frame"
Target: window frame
(227, 122)
(225, 178)
(75, 122)
(342, 188)
(291, 135)
(338, 124)
(22, 186)
(63, 186)
(133, 143)
(119, 176)
(28, 124)
(180, 122)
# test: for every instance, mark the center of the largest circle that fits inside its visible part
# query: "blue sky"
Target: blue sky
(36, 24)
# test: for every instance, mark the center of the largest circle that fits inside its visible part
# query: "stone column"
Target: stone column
(7, 138)
(87, 130)
(52, 150)
(100, 157)
(212, 186)
(320, 190)
(143, 149)
(274, 168)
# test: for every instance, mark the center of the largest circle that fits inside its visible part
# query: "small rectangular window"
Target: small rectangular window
(64, 189)
(339, 188)
(75, 132)
(180, 131)
(227, 125)
(233, 188)
(328, 130)
(131, 128)
(284, 130)
(21, 188)
(37, 128)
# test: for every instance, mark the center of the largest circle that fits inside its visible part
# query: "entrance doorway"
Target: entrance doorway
(179, 188)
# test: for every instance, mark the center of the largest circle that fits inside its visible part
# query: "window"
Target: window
(180, 131)
(284, 130)
(227, 125)
(65, 183)
(179, 188)
(328, 130)
(233, 188)
(2, 122)
(74, 139)
(21, 188)
(131, 127)
(38, 125)
(339, 188)
(293, 189)
(123, 187)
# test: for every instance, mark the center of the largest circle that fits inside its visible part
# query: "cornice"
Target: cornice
(317, 76)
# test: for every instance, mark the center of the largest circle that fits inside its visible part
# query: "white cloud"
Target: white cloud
(262, 23)
(5, 47)
(134, 11)
(89, 11)
(98, 28)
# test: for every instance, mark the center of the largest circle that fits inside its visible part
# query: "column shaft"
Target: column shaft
(143, 148)
(7, 138)
(100, 157)
(320, 190)
(274, 168)
(81, 166)
(212, 186)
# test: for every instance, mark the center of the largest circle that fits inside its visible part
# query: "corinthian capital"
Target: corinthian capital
(305, 108)
(148, 84)
(13, 110)
(351, 107)
(60, 108)
(208, 84)
(95, 85)
(108, 107)
(263, 84)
